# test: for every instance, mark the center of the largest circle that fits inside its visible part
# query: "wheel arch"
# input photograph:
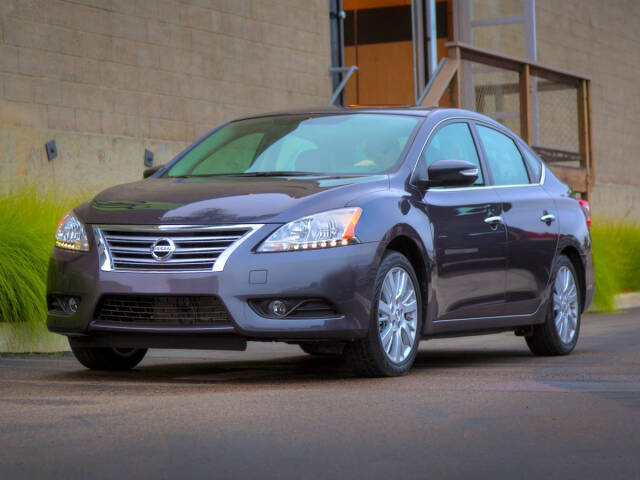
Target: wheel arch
(573, 255)
(405, 240)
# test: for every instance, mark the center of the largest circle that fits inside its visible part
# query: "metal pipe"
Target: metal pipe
(532, 53)
(432, 37)
(344, 81)
(415, 58)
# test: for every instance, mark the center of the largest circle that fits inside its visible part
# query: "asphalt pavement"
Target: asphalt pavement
(475, 407)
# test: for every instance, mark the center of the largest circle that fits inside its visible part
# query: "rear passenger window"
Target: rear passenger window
(453, 142)
(505, 161)
(534, 163)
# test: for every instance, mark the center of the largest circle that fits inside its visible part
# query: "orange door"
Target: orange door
(378, 39)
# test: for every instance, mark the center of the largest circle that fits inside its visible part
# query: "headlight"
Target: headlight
(71, 234)
(322, 230)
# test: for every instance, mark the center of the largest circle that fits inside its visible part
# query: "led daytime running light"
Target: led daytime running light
(334, 228)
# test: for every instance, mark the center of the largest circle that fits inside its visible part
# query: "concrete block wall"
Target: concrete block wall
(601, 40)
(96, 73)
(598, 39)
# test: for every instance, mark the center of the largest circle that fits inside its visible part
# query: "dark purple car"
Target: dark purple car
(349, 232)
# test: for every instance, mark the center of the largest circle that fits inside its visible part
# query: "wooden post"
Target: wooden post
(525, 103)
(583, 136)
(591, 174)
(456, 84)
(584, 131)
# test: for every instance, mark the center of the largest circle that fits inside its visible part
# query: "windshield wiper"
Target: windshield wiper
(251, 174)
(201, 176)
(274, 174)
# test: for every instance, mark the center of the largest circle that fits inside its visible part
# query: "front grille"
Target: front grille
(192, 248)
(151, 310)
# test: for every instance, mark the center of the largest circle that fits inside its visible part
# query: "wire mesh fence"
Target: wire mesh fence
(491, 91)
(555, 115)
(495, 92)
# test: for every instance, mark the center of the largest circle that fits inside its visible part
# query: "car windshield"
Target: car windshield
(300, 144)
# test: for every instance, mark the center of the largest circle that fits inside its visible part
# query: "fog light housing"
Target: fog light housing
(63, 304)
(291, 308)
(278, 308)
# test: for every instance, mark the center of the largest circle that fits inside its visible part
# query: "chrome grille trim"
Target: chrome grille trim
(198, 248)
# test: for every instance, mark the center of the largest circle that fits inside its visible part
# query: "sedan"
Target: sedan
(351, 232)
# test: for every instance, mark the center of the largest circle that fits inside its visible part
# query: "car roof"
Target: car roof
(399, 110)
(421, 111)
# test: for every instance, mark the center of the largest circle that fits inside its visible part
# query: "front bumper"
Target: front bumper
(344, 276)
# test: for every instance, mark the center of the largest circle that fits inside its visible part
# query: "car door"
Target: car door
(529, 215)
(469, 240)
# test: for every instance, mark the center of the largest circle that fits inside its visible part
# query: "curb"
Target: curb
(20, 338)
(625, 301)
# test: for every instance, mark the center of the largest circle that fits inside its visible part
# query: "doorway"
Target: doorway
(387, 41)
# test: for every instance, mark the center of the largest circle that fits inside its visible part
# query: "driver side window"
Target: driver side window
(452, 142)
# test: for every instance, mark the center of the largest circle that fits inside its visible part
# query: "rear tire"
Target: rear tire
(558, 335)
(396, 321)
(107, 358)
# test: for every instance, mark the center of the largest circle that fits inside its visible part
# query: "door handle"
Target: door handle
(493, 220)
(547, 218)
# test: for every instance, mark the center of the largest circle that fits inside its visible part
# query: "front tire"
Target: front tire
(107, 358)
(391, 345)
(558, 335)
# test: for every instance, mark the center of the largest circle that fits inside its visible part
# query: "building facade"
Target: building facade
(107, 79)
(600, 40)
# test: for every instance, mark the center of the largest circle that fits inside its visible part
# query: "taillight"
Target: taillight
(587, 211)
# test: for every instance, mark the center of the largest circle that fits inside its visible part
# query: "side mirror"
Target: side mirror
(150, 171)
(451, 173)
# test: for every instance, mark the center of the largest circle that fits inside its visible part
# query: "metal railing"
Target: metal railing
(336, 93)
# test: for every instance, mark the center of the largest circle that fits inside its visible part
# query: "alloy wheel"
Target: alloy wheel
(397, 315)
(565, 305)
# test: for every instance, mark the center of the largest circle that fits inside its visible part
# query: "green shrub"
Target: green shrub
(28, 221)
(616, 258)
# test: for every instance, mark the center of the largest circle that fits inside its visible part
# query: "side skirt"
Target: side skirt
(471, 326)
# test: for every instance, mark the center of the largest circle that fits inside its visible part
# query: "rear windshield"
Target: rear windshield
(303, 144)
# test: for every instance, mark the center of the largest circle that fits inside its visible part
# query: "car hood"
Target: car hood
(225, 200)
